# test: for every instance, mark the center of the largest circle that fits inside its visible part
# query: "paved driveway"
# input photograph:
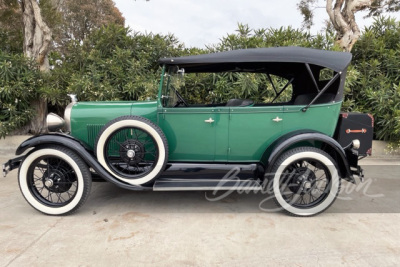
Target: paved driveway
(120, 227)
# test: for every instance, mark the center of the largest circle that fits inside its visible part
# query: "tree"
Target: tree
(342, 17)
(80, 18)
(11, 35)
(380, 6)
(41, 21)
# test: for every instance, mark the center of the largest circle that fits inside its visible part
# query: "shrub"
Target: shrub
(19, 80)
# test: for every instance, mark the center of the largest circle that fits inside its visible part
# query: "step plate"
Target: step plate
(204, 185)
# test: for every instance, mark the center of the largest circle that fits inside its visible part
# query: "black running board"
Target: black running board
(205, 185)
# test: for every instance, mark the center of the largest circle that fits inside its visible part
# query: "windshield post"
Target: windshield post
(160, 87)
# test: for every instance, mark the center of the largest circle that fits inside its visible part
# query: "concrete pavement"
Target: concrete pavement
(118, 227)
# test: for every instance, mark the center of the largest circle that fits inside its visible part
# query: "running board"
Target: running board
(204, 185)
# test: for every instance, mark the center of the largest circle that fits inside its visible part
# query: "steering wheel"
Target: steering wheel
(181, 100)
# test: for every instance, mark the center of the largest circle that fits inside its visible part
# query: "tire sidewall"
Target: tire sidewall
(334, 190)
(108, 131)
(31, 199)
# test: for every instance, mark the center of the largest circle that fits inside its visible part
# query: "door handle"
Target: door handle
(210, 120)
(277, 119)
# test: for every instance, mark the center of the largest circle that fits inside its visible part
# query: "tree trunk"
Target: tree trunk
(344, 22)
(37, 39)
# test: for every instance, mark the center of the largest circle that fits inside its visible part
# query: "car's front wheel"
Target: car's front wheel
(54, 180)
(305, 181)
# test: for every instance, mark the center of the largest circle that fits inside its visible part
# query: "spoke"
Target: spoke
(303, 200)
(58, 197)
(40, 169)
(137, 137)
(59, 163)
(69, 194)
(150, 153)
(62, 198)
(311, 197)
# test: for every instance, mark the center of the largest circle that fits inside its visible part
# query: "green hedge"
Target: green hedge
(114, 63)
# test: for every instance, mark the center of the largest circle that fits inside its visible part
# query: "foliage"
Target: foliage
(378, 7)
(11, 37)
(77, 19)
(111, 64)
(204, 88)
(377, 90)
(114, 63)
(19, 81)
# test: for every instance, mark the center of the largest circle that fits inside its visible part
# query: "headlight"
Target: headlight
(54, 122)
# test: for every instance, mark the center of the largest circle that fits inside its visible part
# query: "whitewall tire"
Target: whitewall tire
(54, 180)
(132, 149)
(305, 181)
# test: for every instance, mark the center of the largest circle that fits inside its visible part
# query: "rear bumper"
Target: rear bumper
(352, 158)
(11, 165)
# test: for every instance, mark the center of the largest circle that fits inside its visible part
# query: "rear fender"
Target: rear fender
(328, 144)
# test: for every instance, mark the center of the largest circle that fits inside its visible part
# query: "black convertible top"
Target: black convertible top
(337, 61)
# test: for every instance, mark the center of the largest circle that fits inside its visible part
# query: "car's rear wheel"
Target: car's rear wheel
(54, 180)
(305, 181)
(133, 149)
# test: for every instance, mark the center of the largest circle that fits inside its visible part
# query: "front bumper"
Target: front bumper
(11, 165)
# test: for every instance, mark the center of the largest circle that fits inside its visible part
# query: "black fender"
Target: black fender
(330, 145)
(80, 149)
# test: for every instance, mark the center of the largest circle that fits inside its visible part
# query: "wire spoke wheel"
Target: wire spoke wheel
(305, 181)
(131, 152)
(54, 180)
(133, 149)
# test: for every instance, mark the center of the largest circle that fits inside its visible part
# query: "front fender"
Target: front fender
(78, 148)
(49, 139)
(334, 149)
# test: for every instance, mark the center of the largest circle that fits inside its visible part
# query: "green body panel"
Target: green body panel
(322, 118)
(190, 138)
(87, 118)
(237, 134)
(252, 130)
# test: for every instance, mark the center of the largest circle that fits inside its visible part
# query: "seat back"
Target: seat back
(239, 103)
(306, 99)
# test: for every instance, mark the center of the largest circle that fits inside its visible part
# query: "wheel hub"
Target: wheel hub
(303, 180)
(132, 151)
(48, 183)
(57, 180)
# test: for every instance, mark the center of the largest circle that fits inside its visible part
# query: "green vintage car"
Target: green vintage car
(295, 144)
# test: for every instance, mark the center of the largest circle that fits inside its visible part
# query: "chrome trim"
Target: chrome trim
(67, 116)
(54, 122)
(210, 120)
(73, 97)
(277, 119)
(48, 182)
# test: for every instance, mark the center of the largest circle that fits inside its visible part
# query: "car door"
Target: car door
(252, 130)
(192, 132)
